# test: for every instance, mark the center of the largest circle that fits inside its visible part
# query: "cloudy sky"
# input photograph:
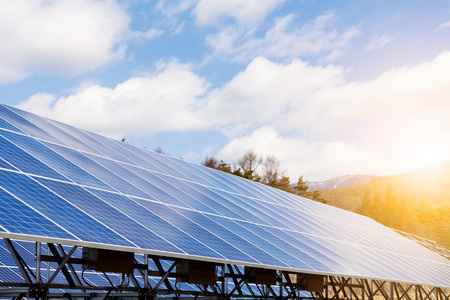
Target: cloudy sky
(329, 87)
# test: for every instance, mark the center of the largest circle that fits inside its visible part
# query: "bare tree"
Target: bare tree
(210, 162)
(250, 161)
(271, 171)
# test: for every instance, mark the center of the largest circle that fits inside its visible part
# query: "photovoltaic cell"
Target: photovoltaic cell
(183, 240)
(24, 161)
(165, 165)
(104, 213)
(56, 162)
(6, 125)
(53, 130)
(123, 203)
(171, 184)
(16, 216)
(196, 230)
(13, 274)
(196, 199)
(57, 181)
(113, 181)
(5, 165)
(85, 138)
(25, 125)
(56, 209)
(136, 184)
(119, 147)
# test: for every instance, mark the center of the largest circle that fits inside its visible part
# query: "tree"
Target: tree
(365, 208)
(301, 187)
(391, 208)
(224, 167)
(316, 196)
(271, 171)
(210, 162)
(248, 163)
(285, 185)
(376, 212)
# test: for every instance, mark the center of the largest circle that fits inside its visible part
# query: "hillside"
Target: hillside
(417, 202)
(430, 184)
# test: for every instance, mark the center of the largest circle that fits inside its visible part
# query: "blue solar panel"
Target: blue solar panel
(57, 181)
(5, 165)
(119, 147)
(201, 234)
(103, 213)
(16, 216)
(6, 125)
(53, 130)
(56, 162)
(25, 125)
(76, 222)
(92, 142)
(24, 161)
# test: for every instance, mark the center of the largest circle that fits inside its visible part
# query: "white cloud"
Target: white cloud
(444, 25)
(166, 101)
(173, 12)
(265, 91)
(246, 13)
(300, 157)
(171, 8)
(402, 116)
(309, 116)
(58, 37)
(148, 34)
(380, 101)
(285, 40)
(378, 42)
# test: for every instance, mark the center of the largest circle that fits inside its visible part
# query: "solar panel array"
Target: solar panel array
(62, 183)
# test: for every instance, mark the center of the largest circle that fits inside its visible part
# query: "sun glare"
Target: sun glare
(426, 150)
(417, 138)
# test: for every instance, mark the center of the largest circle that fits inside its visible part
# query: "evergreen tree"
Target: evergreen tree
(366, 206)
(224, 167)
(376, 212)
(285, 185)
(301, 187)
(316, 196)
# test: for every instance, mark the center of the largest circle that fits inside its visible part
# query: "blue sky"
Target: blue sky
(329, 87)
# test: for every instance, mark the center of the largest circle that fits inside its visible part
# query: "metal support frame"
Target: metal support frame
(66, 279)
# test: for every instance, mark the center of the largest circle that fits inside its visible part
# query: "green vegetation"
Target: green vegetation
(267, 171)
(417, 202)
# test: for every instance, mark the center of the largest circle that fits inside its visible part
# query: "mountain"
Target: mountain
(416, 202)
(430, 184)
(339, 182)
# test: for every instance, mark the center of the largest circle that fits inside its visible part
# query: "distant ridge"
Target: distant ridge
(431, 183)
(419, 201)
(342, 181)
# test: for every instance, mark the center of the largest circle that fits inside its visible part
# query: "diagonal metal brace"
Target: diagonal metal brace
(164, 277)
(62, 265)
(21, 264)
